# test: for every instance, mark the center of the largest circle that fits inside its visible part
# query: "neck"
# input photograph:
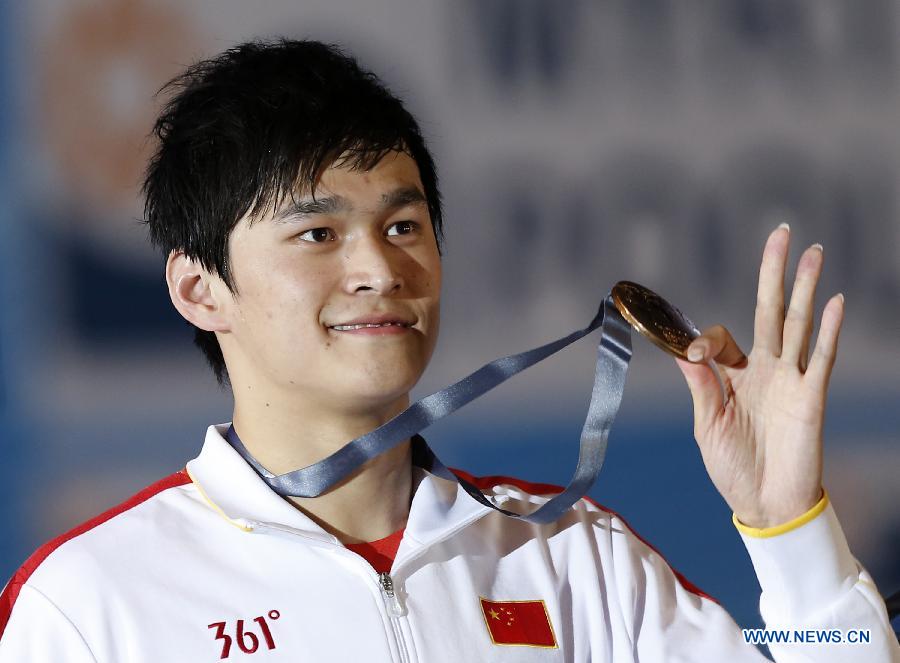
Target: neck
(366, 506)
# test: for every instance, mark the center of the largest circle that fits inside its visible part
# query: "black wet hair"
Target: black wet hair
(251, 127)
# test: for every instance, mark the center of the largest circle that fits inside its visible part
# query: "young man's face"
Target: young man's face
(309, 274)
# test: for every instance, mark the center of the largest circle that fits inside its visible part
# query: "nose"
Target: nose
(373, 265)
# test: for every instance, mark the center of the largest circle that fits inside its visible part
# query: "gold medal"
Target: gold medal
(655, 318)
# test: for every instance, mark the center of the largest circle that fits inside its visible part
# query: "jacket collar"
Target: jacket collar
(234, 490)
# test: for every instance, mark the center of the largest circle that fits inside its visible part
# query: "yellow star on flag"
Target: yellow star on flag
(494, 614)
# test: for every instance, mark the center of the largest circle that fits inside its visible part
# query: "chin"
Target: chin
(373, 405)
(380, 389)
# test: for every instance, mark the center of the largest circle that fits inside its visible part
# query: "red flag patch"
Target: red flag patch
(518, 623)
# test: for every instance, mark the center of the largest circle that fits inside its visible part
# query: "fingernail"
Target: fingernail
(818, 246)
(695, 353)
(785, 225)
(841, 297)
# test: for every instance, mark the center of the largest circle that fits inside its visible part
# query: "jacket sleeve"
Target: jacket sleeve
(809, 581)
(38, 632)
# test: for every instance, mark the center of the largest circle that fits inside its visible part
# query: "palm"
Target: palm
(762, 446)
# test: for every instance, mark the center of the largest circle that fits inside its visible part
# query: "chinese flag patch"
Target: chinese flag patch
(518, 623)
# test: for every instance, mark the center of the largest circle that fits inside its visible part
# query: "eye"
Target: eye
(402, 228)
(317, 235)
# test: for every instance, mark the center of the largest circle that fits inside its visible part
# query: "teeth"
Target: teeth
(385, 324)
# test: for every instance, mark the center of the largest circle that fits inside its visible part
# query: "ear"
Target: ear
(196, 293)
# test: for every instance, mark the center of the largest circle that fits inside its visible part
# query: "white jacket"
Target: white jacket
(210, 564)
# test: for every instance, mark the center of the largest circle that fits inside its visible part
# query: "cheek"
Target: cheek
(435, 279)
(280, 294)
(428, 274)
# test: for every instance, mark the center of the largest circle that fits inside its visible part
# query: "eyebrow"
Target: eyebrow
(409, 195)
(307, 207)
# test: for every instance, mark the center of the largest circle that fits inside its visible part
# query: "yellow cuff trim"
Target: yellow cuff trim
(768, 532)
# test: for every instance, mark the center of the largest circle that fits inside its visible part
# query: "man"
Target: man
(299, 211)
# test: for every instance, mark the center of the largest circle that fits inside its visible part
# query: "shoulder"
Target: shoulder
(56, 557)
(523, 496)
(614, 536)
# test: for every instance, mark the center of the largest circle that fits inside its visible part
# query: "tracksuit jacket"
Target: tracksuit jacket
(210, 564)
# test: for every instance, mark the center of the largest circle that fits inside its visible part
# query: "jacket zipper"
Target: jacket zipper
(395, 610)
(394, 607)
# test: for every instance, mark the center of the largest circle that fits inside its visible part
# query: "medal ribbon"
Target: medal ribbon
(613, 355)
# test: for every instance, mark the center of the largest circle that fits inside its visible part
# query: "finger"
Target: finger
(798, 321)
(718, 344)
(706, 391)
(769, 320)
(825, 352)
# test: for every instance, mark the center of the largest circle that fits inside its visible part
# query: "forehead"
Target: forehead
(343, 186)
(392, 183)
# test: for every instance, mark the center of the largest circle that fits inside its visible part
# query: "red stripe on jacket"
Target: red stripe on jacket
(486, 483)
(11, 593)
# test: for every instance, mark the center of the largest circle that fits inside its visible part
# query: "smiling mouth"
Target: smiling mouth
(370, 326)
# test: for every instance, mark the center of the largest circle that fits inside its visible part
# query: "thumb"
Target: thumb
(706, 389)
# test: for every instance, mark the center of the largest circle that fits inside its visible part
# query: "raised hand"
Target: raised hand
(762, 445)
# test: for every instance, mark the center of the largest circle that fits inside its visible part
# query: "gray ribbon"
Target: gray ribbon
(613, 355)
